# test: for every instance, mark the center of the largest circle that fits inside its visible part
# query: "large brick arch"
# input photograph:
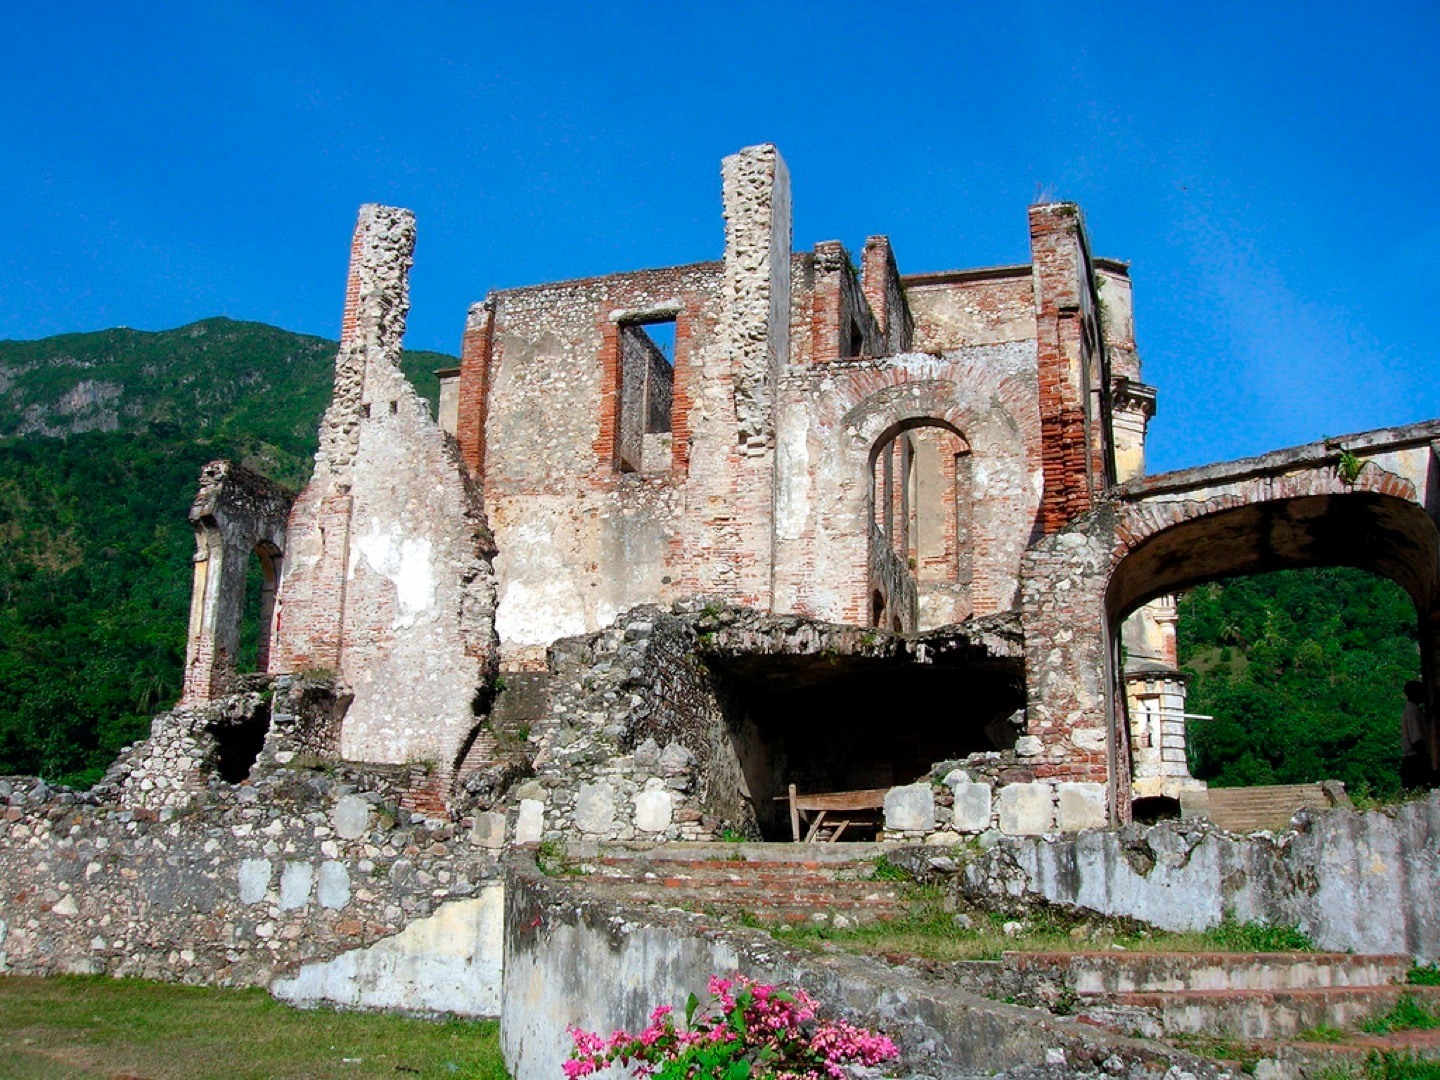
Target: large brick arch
(1304, 518)
(1168, 533)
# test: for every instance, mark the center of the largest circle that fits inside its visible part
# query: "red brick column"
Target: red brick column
(1057, 246)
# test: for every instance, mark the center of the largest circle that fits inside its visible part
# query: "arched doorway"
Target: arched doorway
(920, 505)
(1387, 536)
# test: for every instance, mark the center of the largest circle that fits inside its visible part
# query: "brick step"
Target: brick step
(1100, 973)
(769, 879)
(1253, 1014)
(772, 913)
(1314, 1058)
(741, 897)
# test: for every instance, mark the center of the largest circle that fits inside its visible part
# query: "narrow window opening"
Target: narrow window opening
(257, 612)
(647, 379)
(852, 339)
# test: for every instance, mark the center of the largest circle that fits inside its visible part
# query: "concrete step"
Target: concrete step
(1091, 974)
(1257, 1014)
(1297, 1058)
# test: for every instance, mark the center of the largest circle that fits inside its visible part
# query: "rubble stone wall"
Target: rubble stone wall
(239, 885)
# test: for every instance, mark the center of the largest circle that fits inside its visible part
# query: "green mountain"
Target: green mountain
(102, 437)
(1304, 674)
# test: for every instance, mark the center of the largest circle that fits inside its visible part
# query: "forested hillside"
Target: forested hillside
(1304, 672)
(105, 436)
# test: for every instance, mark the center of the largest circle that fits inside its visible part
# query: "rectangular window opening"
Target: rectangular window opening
(647, 381)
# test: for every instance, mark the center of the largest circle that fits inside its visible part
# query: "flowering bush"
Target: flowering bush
(748, 1031)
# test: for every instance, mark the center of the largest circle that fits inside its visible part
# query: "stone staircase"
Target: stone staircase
(1271, 1005)
(765, 883)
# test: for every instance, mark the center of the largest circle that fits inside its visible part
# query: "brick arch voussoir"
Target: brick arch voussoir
(1139, 521)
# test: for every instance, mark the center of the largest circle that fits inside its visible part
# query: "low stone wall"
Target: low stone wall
(575, 960)
(247, 884)
(1350, 880)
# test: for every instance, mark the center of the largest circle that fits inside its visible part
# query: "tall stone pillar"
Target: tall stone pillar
(731, 485)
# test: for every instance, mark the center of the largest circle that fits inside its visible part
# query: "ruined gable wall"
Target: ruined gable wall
(390, 582)
(579, 540)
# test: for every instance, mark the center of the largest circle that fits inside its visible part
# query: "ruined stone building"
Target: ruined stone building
(683, 538)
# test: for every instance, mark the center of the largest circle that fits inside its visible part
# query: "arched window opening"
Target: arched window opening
(920, 525)
(258, 612)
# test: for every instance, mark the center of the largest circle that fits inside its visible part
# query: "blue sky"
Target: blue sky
(1265, 168)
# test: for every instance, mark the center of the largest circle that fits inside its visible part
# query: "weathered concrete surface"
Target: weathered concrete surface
(448, 962)
(562, 945)
(1358, 881)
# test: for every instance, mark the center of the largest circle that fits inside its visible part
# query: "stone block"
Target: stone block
(530, 822)
(1080, 806)
(488, 830)
(910, 808)
(654, 807)
(1025, 809)
(351, 817)
(675, 759)
(971, 812)
(333, 886)
(595, 808)
(295, 882)
(1028, 746)
(254, 880)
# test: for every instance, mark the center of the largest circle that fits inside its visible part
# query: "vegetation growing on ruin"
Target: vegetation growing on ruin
(104, 1027)
(95, 548)
(1304, 672)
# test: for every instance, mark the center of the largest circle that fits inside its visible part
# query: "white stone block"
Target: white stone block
(1025, 809)
(254, 880)
(654, 807)
(972, 807)
(1080, 806)
(1028, 745)
(295, 882)
(910, 808)
(530, 822)
(351, 817)
(488, 830)
(595, 808)
(333, 889)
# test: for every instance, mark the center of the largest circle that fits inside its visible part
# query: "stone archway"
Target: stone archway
(1370, 507)
(237, 513)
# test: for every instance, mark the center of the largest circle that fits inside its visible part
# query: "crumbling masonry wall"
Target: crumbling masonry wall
(236, 513)
(389, 583)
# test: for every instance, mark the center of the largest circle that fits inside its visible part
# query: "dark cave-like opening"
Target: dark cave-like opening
(848, 723)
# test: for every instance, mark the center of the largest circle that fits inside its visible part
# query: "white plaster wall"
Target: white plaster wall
(449, 962)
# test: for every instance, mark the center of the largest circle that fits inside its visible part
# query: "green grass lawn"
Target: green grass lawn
(128, 1029)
